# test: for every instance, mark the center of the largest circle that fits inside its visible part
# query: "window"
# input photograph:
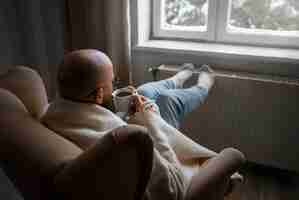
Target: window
(258, 22)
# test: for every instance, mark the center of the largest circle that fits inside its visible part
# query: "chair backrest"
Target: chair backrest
(28, 86)
(29, 151)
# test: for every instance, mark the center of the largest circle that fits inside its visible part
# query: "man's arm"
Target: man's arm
(184, 147)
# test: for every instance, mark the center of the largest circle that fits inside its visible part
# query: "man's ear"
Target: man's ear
(100, 96)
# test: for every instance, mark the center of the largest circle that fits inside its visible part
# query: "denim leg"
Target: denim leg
(177, 103)
(153, 90)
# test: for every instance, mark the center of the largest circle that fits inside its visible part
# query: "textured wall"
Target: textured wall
(260, 118)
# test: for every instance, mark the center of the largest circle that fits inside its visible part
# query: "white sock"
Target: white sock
(206, 77)
(183, 75)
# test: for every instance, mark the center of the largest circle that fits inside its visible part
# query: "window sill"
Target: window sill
(224, 50)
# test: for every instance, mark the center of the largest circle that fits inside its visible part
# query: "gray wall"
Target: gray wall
(32, 34)
(260, 118)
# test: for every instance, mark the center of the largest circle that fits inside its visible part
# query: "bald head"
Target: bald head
(82, 71)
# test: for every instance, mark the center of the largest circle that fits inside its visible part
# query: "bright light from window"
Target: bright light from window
(254, 22)
(279, 17)
(184, 15)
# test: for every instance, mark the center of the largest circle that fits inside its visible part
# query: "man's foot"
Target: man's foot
(184, 74)
(206, 77)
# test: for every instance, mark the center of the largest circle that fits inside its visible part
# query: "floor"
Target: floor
(263, 183)
(7, 190)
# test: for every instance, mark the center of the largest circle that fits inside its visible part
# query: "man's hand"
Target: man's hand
(138, 104)
(132, 89)
(139, 101)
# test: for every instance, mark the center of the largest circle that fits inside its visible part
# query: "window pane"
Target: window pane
(184, 14)
(269, 15)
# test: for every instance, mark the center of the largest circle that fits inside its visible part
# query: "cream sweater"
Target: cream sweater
(84, 123)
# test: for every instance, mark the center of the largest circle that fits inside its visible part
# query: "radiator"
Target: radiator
(257, 114)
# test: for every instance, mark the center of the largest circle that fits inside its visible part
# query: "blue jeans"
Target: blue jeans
(174, 103)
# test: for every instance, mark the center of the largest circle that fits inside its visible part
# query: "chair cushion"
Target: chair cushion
(28, 86)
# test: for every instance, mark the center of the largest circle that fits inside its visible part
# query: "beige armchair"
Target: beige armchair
(44, 165)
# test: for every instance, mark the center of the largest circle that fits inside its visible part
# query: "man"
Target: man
(83, 114)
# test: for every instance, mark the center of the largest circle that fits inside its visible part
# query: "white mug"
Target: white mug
(122, 99)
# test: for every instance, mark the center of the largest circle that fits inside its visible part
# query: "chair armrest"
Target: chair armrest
(212, 180)
(118, 166)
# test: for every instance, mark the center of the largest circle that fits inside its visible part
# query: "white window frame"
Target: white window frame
(208, 35)
(218, 30)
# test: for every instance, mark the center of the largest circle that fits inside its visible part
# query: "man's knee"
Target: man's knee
(143, 92)
(146, 91)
